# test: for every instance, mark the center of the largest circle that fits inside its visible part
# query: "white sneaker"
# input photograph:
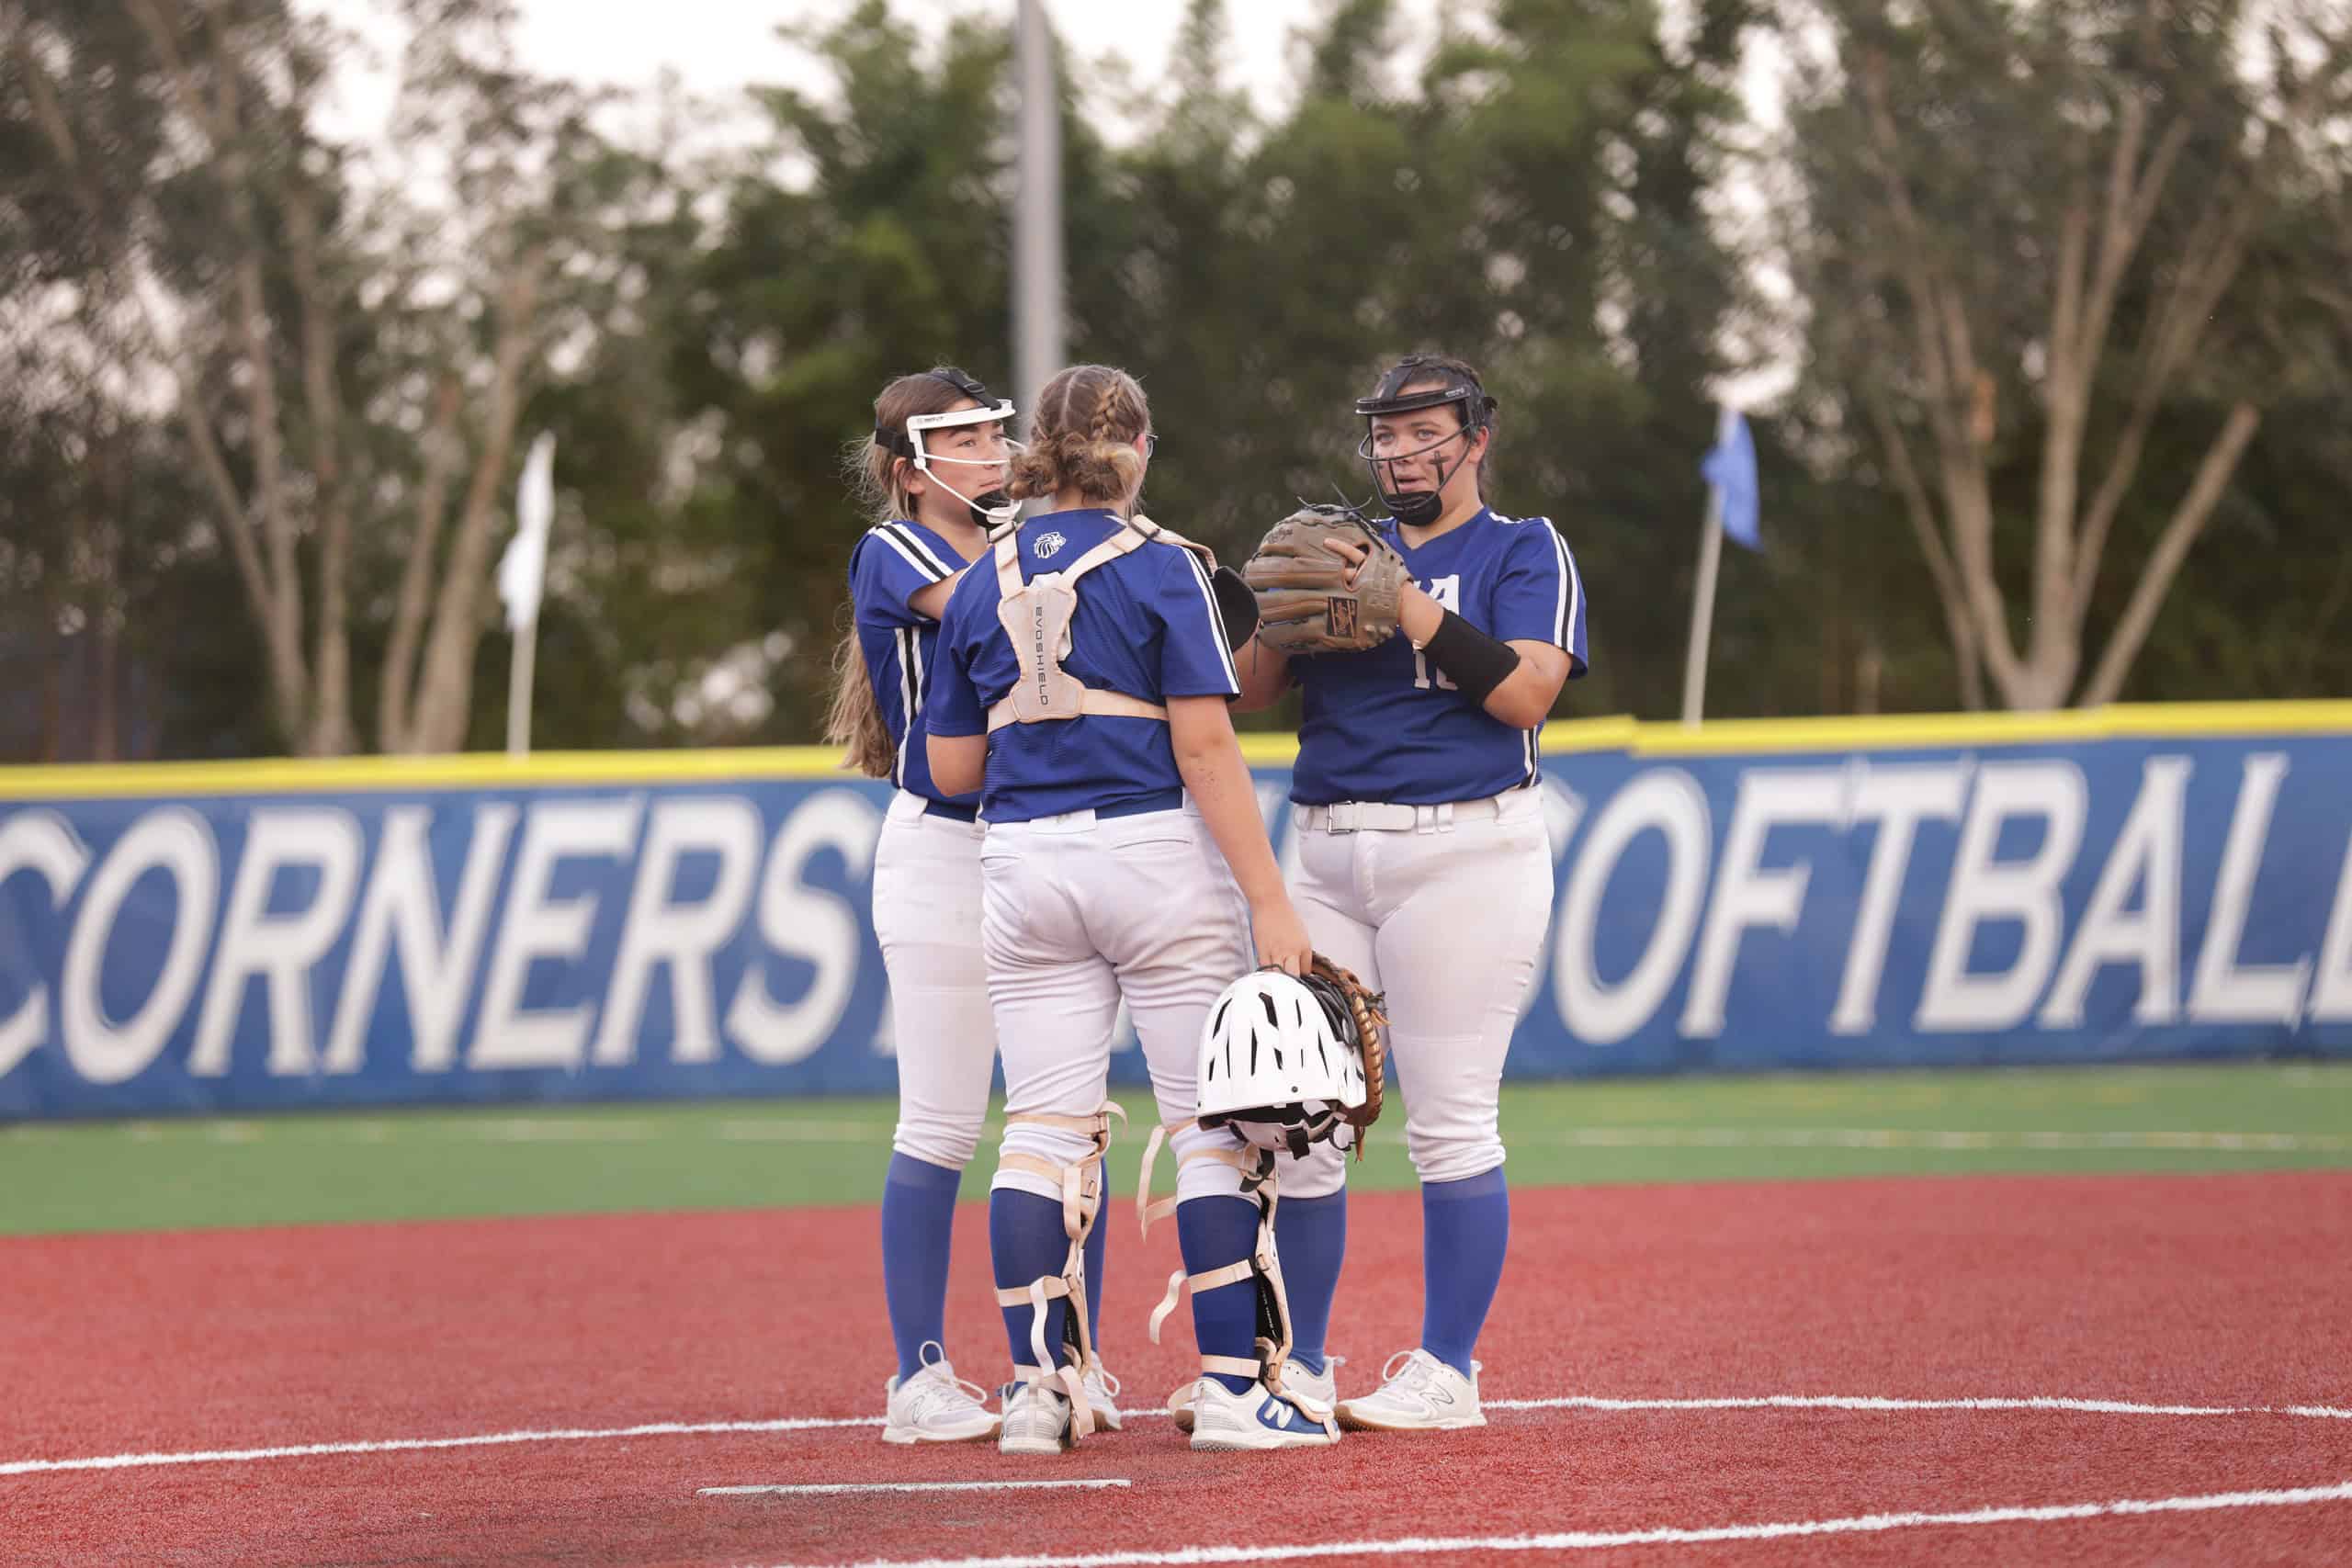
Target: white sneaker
(1036, 1421)
(1253, 1419)
(1417, 1393)
(1317, 1387)
(1102, 1387)
(935, 1405)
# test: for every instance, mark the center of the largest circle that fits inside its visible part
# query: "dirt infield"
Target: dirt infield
(2185, 1337)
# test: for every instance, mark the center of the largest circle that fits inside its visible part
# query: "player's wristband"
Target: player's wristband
(1471, 660)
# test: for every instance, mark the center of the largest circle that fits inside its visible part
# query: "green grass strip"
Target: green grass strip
(408, 1165)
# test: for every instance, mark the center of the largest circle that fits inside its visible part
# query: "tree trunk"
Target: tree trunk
(445, 694)
(49, 741)
(105, 742)
(277, 588)
(2188, 520)
(330, 733)
(1967, 661)
(397, 681)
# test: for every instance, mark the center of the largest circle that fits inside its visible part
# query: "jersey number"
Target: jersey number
(1447, 591)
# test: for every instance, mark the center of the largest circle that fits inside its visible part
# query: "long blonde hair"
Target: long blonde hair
(877, 476)
(1081, 437)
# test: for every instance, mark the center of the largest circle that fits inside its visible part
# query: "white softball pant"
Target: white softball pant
(927, 912)
(1078, 912)
(1444, 909)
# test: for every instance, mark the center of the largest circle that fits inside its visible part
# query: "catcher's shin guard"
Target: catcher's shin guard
(1263, 1267)
(1081, 1187)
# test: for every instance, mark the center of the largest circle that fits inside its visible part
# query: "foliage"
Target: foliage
(265, 395)
(2033, 239)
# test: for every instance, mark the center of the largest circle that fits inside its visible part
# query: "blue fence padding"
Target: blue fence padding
(2094, 900)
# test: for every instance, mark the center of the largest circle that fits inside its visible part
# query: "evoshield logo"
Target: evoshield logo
(1038, 661)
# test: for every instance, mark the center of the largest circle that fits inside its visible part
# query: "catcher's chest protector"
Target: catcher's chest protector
(1036, 615)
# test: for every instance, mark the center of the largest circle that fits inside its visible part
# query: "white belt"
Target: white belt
(1390, 817)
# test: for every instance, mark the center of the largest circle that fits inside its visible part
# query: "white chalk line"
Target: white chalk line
(833, 1488)
(1931, 1138)
(1868, 1402)
(1856, 1402)
(412, 1445)
(1663, 1535)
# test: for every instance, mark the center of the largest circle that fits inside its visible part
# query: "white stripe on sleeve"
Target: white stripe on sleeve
(906, 636)
(1571, 602)
(1216, 617)
(912, 549)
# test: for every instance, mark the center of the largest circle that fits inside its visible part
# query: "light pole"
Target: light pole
(1037, 335)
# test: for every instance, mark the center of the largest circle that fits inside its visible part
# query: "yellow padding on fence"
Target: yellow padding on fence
(491, 769)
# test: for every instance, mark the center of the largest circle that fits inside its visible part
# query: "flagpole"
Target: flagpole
(522, 575)
(518, 689)
(1703, 601)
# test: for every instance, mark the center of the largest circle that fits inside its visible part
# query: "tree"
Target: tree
(886, 254)
(1527, 197)
(336, 364)
(2023, 243)
(523, 265)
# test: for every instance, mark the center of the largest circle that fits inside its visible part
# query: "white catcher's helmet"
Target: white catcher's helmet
(1277, 1063)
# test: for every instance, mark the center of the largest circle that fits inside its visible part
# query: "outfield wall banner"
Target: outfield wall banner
(684, 933)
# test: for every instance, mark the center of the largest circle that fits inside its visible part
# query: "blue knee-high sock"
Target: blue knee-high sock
(1212, 1233)
(918, 1228)
(1026, 1241)
(1465, 1225)
(1311, 1235)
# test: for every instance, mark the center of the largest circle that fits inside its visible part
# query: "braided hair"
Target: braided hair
(1081, 437)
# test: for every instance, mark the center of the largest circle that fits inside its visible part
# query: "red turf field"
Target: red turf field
(2210, 1292)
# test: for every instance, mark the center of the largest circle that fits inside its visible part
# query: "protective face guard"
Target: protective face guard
(1420, 507)
(992, 509)
(1287, 1129)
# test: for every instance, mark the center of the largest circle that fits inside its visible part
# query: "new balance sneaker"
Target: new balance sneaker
(1036, 1421)
(1101, 1388)
(1417, 1393)
(934, 1406)
(1253, 1419)
(1317, 1387)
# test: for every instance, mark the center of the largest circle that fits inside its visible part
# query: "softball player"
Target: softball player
(934, 473)
(1424, 862)
(1084, 671)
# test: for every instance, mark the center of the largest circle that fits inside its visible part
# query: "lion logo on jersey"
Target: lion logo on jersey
(1047, 543)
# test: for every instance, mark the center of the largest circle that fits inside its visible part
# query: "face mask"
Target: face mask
(989, 510)
(1416, 508)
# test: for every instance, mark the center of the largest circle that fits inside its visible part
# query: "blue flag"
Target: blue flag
(1730, 467)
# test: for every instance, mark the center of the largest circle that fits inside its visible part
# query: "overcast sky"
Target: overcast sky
(718, 47)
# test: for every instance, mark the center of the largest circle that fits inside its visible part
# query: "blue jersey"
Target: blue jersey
(890, 566)
(1146, 625)
(1386, 725)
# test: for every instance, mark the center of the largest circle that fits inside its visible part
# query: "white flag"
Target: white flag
(523, 566)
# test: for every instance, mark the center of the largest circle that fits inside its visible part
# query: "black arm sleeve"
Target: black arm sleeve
(1471, 660)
